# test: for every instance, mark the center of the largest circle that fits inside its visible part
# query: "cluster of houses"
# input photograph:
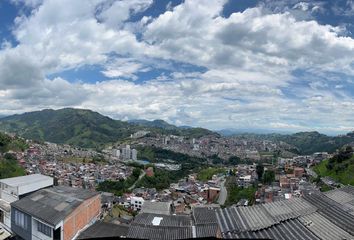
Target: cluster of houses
(49, 160)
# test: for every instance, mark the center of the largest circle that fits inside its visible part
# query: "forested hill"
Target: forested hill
(8, 143)
(79, 127)
(8, 163)
(307, 142)
(340, 167)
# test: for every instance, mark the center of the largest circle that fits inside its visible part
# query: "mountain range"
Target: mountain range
(86, 128)
(306, 143)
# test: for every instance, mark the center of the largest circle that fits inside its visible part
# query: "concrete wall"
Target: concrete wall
(23, 233)
(82, 216)
(7, 193)
(7, 219)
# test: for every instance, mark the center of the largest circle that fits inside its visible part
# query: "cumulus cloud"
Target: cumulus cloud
(249, 62)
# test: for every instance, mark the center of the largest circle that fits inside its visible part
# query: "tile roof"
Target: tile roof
(53, 205)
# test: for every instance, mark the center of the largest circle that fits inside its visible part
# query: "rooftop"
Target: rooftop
(53, 205)
(104, 230)
(156, 207)
(149, 219)
(25, 180)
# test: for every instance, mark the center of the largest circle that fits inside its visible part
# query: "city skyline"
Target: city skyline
(217, 64)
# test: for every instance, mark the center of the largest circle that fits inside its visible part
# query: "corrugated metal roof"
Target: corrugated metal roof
(288, 230)
(340, 196)
(158, 232)
(255, 218)
(324, 228)
(332, 211)
(261, 216)
(348, 189)
(146, 219)
(301, 207)
(280, 210)
(206, 230)
(204, 215)
(229, 220)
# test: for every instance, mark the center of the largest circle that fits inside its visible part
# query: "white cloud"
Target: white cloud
(115, 13)
(124, 68)
(247, 59)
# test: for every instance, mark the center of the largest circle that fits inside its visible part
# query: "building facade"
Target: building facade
(59, 213)
(13, 189)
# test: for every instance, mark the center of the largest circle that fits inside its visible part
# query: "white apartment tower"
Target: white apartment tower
(134, 154)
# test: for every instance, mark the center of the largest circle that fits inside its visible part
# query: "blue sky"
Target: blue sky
(243, 64)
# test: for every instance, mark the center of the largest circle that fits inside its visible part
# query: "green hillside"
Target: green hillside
(80, 127)
(72, 126)
(311, 142)
(8, 143)
(8, 163)
(160, 126)
(307, 142)
(340, 167)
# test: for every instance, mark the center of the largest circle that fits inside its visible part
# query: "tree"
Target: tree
(260, 171)
(268, 177)
(234, 160)
(136, 172)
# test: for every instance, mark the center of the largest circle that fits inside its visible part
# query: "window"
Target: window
(44, 229)
(20, 219)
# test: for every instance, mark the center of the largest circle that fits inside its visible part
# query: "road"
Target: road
(223, 193)
(140, 177)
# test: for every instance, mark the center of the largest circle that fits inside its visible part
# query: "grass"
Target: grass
(117, 212)
(235, 193)
(345, 177)
(207, 173)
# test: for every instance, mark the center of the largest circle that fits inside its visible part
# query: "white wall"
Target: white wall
(137, 202)
(7, 219)
(8, 194)
(8, 197)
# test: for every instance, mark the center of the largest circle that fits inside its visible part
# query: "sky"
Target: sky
(242, 64)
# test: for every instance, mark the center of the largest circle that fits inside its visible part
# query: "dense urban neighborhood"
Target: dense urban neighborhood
(169, 186)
